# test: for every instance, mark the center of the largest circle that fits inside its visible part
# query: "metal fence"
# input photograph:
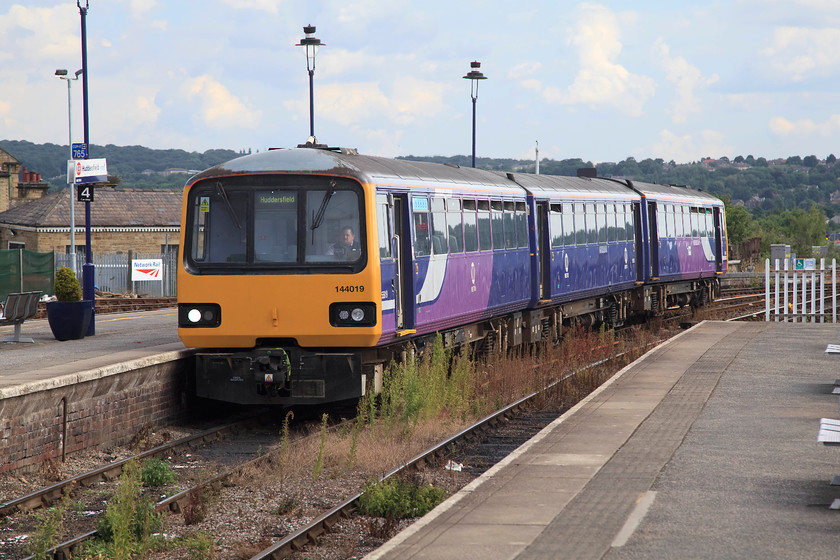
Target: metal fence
(112, 273)
(799, 291)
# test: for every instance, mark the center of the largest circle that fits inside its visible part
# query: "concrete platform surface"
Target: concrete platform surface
(120, 340)
(704, 448)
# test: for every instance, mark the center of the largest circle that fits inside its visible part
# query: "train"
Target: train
(305, 271)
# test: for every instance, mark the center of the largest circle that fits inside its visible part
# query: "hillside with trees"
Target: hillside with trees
(788, 200)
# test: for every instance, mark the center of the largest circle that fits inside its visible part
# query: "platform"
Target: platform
(704, 448)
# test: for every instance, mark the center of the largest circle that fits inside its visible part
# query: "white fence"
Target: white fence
(799, 294)
(112, 273)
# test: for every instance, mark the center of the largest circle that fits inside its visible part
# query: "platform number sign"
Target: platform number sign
(84, 193)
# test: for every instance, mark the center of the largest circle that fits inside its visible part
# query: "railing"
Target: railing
(795, 297)
(112, 273)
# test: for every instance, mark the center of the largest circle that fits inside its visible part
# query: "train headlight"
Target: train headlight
(353, 314)
(198, 315)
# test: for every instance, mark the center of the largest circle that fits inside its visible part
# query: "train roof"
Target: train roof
(364, 168)
(674, 193)
(584, 187)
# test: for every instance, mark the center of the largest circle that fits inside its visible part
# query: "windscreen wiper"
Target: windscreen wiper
(220, 190)
(319, 217)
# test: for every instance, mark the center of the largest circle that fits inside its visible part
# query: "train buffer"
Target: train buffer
(17, 308)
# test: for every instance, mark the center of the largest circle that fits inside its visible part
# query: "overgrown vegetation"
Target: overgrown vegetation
(395, 498)
(50, 528)
(156, 472)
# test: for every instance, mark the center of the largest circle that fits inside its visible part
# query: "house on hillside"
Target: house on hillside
(17, 184)
(145, 220)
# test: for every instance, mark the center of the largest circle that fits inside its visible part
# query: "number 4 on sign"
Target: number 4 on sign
(84, 193)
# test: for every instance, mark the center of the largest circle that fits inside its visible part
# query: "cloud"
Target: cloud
(686, 79)
(139, 8)
(270, 6)
(409, 101)
(219, 108)
(601, 81)
(805, 127)
(33, 34)
(799, 53)
(687, 148)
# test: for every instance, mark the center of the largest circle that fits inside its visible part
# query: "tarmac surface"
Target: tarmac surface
(704, 448)
(120, 338)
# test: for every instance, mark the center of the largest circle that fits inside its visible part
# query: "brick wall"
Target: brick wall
(97, 413)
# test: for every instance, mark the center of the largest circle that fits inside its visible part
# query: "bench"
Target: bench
(18, 308)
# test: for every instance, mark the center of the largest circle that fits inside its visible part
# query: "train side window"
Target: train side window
(710, 223)
(611, 233)
(601, 221)
(383, 226)
(591, 224)
(555, 223)
(661, 220)
(485, 239)
(510, 226)
(498, 227)
(631, 221)
(439, 235)
(420, 210)
(669, 220)
(678, 222)
(695, 226)
(580, 224)
(470, 227)
(620, 221)
(456, 225)
(686, 221)
(521, 224)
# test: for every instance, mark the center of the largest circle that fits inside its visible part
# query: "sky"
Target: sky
(600, 81)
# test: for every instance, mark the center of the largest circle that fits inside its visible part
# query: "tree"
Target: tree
(830, 159)
(810, 161)
(739, 223)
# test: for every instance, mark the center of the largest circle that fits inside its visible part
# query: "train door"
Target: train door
(719, 248)
(544, 247)
(654, 240)
(401, 249)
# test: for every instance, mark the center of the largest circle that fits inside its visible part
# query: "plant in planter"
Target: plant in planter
(69, 316)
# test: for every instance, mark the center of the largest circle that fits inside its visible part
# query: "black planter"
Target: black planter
(69, 320)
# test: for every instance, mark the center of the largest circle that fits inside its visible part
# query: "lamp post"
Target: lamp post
(310, 45)
(88, 269)
(62, 74)
(474, 75)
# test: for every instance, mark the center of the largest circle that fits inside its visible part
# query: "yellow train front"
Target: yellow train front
(279, 284)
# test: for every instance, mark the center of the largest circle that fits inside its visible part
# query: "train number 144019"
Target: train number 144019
(350, 289)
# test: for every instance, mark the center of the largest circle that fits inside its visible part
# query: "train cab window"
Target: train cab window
(332, 226)
(275, 226)
(455, 224)
(470, 227)
(568, 224)
(686, 221)
(580, 224)
(439, 233)
(601, 222)
(498, 224)
(521, 225)
(485, 239)
(422, 242)
(555, 223)
(383, 226)
(510, 226)
(220, 228)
